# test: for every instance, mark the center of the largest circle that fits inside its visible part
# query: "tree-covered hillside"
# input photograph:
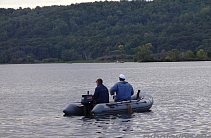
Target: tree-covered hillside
(93, 30)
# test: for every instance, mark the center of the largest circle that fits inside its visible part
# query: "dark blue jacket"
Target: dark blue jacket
(123, 90)
(101, 94)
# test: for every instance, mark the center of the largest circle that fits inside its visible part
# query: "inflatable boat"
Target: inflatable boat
(139, 103)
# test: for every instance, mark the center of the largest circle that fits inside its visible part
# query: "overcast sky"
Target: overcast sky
(33, 3)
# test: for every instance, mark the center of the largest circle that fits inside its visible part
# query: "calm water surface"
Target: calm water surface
(32, 98)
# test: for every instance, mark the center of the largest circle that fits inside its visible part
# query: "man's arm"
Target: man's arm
(113, 89)
(95, 96)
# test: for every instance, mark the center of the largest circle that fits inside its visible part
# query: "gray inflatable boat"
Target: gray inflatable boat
(138, 103)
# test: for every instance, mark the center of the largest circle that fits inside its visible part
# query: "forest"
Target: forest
(140, 30)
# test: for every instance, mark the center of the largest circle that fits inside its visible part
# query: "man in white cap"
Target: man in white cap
(123, 90)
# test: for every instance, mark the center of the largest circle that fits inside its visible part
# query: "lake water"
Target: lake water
(33, 96)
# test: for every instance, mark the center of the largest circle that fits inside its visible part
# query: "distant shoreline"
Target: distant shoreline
(98, 61)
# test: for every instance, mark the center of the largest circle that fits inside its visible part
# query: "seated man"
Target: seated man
(123, 90)
(101, 94)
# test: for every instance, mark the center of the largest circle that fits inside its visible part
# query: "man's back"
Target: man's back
(101, 94)
(123, 91)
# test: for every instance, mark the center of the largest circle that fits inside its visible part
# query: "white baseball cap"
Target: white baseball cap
(122, 76)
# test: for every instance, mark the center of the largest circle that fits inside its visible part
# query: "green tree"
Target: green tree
(30, 58)
(143, 53)
(190, 54)
(19, 54)
(174, 54)
(6, 57)
(209, 54)
(201, 54)
(163, 55)
(69, 55)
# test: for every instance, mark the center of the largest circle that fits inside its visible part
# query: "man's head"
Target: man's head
(99, 81)
(121, 77)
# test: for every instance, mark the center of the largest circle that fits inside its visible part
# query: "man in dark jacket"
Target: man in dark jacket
(101, 94)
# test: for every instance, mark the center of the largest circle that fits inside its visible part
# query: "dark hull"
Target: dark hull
(74, 109)
(142, 105)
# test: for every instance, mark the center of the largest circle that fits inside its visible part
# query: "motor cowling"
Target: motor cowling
(86, 99)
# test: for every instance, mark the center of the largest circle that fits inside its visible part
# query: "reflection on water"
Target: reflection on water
(34, 96)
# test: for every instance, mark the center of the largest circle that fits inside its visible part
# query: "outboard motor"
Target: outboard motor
(87, 101)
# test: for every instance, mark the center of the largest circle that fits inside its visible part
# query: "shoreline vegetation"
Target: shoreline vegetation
(143, 54)
(130, 31)
(141, 57)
